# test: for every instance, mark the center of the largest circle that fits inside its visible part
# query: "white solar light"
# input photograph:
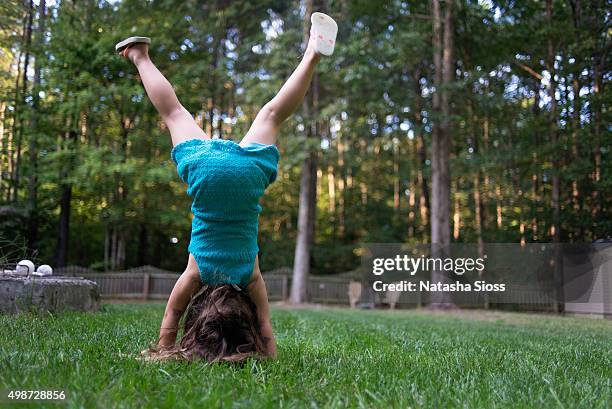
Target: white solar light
(24, 267)
(43, 270)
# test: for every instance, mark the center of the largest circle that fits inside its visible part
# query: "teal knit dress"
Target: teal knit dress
(226, 181)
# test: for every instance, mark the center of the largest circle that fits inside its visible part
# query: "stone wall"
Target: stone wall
(54, 294)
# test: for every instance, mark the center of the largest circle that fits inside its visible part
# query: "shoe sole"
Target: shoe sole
(122, 45)
(325, 30)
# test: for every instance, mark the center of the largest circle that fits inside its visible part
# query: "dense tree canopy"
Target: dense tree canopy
(86, 175)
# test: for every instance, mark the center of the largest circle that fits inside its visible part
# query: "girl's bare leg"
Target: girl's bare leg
(269, 119)
(179, 121)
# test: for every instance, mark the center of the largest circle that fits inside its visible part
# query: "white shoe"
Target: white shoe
(324, 29)
(122, 45)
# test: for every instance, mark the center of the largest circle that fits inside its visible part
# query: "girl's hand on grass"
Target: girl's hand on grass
(270, 344)
(145, 355)
(167, 337)
(153, 353)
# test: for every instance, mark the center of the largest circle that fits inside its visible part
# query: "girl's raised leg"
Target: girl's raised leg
(269, 119)
(179, 121)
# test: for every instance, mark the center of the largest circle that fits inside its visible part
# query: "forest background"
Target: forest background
(511, 95)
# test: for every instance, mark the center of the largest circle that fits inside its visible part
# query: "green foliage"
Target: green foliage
(90, 127)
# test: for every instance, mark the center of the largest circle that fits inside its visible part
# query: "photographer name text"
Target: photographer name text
(409, 286)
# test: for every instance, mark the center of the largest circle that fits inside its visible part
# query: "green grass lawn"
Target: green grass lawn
(327, 358)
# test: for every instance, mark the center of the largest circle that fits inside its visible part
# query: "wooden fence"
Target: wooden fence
(150, 283)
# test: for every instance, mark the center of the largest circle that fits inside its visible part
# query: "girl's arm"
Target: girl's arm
(259, 296)
(188, 284)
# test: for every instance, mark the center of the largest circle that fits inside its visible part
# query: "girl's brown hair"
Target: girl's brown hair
(220, 325)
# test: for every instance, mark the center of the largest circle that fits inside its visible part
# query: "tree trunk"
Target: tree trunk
(456, 213)
(70, 138)
(33, 149)
(556, 188)
(478, 220)
(597, 199)
(15, 119)
(535, 177)
(117, 251)
(307, 201)
(61, 255)
(478, 200)
(396, 177)
(315, 132)
(24, 84)
(331, 189)
(120, 263)
(341, 187)
(143, 245)
(3, 147)
(440, 152)
(107, 239)
(412, 188)
(301, 264)
(424, 203)
(64, 226)
(576, 196)
(553, 130)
